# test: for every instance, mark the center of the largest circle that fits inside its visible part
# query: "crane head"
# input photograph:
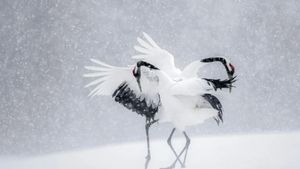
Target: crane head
(137, 71)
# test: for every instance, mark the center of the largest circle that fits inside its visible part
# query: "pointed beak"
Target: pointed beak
(137, 75)
(231, 73)
(139, 83)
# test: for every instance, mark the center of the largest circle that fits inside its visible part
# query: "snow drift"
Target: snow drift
(272, 151)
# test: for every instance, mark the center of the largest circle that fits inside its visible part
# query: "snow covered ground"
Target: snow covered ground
(268, 151)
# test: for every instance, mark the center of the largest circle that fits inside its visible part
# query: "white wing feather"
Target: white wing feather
(108, 78)
(150, 52)
(151, 41)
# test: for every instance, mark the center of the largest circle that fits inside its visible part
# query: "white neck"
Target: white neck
(164, 80)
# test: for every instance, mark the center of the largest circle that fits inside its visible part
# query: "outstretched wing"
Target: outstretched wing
(107, 78)
(120, 83)
(152, 53)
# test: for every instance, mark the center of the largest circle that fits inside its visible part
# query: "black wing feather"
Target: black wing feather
(128, 98)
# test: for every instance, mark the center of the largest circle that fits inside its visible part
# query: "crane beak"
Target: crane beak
(137, 75)
(231, 73)
(137, 71)
(139, 84)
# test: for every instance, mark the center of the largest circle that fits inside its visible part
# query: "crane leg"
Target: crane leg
(147, 126)
(186, 148)
(173, 150)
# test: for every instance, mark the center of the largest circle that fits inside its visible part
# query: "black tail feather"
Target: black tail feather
(216, 104)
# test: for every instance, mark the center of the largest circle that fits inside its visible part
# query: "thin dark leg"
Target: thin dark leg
(185, 149)
(187, 145)
(177, 157)
(148, 157)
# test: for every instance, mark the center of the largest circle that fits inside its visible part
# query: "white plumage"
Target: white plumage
(182, 101)
(108, 78)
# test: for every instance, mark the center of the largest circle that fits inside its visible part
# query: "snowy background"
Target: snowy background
(44, 45)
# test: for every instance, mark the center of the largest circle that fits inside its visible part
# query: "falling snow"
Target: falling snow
(45, 45)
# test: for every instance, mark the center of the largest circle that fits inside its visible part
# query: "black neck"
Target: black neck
(217, 59)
